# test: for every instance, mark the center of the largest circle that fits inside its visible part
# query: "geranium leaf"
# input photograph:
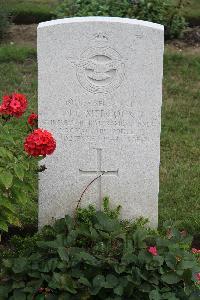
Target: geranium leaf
(19, 171)
(6, 179)
(170, 278)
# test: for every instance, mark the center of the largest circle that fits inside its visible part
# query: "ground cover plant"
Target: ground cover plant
(93, 255)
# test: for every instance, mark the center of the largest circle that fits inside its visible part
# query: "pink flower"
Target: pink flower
(195, 251)
(197, 276)
(153, 251)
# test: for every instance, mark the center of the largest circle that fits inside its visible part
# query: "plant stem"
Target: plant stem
(79, 201)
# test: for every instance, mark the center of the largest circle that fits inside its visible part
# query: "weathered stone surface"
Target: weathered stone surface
(100, 94)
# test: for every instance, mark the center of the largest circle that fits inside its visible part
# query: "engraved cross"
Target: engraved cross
(99, 172)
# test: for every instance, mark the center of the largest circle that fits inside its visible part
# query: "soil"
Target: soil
(24, 35)
(190, 43)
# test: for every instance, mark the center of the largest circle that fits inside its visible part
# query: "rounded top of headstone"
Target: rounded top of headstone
(101, 19)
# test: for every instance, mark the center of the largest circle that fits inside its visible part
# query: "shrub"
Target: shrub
(16, 166)
(30, 13)
(4, 22)
(95, 256)
(71, 8)
(165, 12)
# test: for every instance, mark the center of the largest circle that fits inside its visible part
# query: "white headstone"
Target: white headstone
(100, 94)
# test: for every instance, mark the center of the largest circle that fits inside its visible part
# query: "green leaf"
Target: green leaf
(111, 281)
(170, 278)
(20, 265)
(186, 264)
(99, 280)
(21, 196)
(60, 225)
(84, 281)
(40, 297)
(19, 171)
(87, 258)
(69, 222)
(18, 284)
(26, 165)
(3, 226)
(5, 153)
(49, 265)
(4, 291)
(119, 268)
(171, 261)
(145, 287)
(7, 263)
(119, 290)
(19, 295)
(63, 253)
(107, 223)
(98, 283)
(64, 282)
(154, 295)
(6, 179)
(6, 203)
(169, 296)
(139, 238)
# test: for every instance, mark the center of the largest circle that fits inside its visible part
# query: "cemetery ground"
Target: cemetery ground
(179, 171)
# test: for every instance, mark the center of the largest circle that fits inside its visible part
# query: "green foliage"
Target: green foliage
(165, 12)
(99, 259)
(4, 22)
(28, 11)
(15, 178)
(16, 76)
(86, 215)
(71, 8)
(16, 53)
(192, 12)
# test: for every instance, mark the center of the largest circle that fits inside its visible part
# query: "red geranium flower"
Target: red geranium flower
(153, 251)
(40, 142)
(32, 119)
(13, 105)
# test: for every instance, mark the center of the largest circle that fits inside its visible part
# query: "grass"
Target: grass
(180, 144)
(16, 53)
